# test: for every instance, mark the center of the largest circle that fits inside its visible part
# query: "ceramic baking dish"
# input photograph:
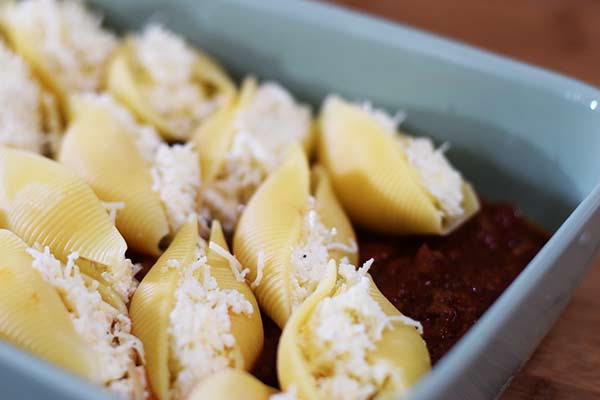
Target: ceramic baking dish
(519, 133)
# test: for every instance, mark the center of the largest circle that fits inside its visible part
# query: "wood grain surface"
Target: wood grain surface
(560, 35)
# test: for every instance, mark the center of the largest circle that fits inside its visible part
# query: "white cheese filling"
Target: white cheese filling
(176, 178)
(21, 123)
(265, 129)
(435, 173)
(73, 44)
(309, 258)
(174, 90)
(201, 341)
(106, 330)
(341, 334)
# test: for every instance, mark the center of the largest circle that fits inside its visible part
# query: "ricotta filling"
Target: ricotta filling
(176, 178)
(434, 171)
(103, 327)
(201, 341)
(173, 89)
(340, 336)
(309, 258)
(71, 39)
(21, 124)
(265, 129)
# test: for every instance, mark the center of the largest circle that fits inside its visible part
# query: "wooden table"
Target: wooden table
(561, 35)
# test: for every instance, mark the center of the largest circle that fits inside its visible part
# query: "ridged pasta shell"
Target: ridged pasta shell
(247, 329)
(373, 179)
(332, 214)
(231, 384)
(45, 203)
(32, 314)
(123, 83)
(401, 346)
(153, 302)
(97, 147)
(214, 136)
(272, 223)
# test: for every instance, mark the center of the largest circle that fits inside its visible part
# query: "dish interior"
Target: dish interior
(511, 130)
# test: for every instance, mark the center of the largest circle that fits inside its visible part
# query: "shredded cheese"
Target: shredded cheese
(173, 91)
(309, 258)
(264, 131)
(104, 328)
(176, 177)
(200, 335)
(21, 123)
(71, 40)
(435, 173)
(236, 267)
(340, 336)
(260, 266)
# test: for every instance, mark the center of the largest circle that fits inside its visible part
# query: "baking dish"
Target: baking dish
(520, 134)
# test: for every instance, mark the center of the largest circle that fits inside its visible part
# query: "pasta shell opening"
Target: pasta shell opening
(194, 314)
(408, 186)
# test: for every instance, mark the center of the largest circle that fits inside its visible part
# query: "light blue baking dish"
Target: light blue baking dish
(519, 133)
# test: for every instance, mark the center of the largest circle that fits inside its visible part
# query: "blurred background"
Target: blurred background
(563, 36)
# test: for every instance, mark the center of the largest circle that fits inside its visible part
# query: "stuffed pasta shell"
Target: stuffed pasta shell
(406, 185)
(346, 341)
(156, 185)
(244, 142)
(54, 311)
(46, 204)
(195, 314)
(290, 229)
(63, 42)
(30, 119)
(166, 83)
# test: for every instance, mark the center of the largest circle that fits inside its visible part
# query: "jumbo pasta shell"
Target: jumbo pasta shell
(292, 367)
(154, 300)
(247, 329)
(231, 384)
(124, 82)
(97, 147)
(152, 303)
(400, 346)
(360, 155)
(33, 315)
(272, 223)
(332, 214)
(213, 137)
(57, 39)
(44, 203)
